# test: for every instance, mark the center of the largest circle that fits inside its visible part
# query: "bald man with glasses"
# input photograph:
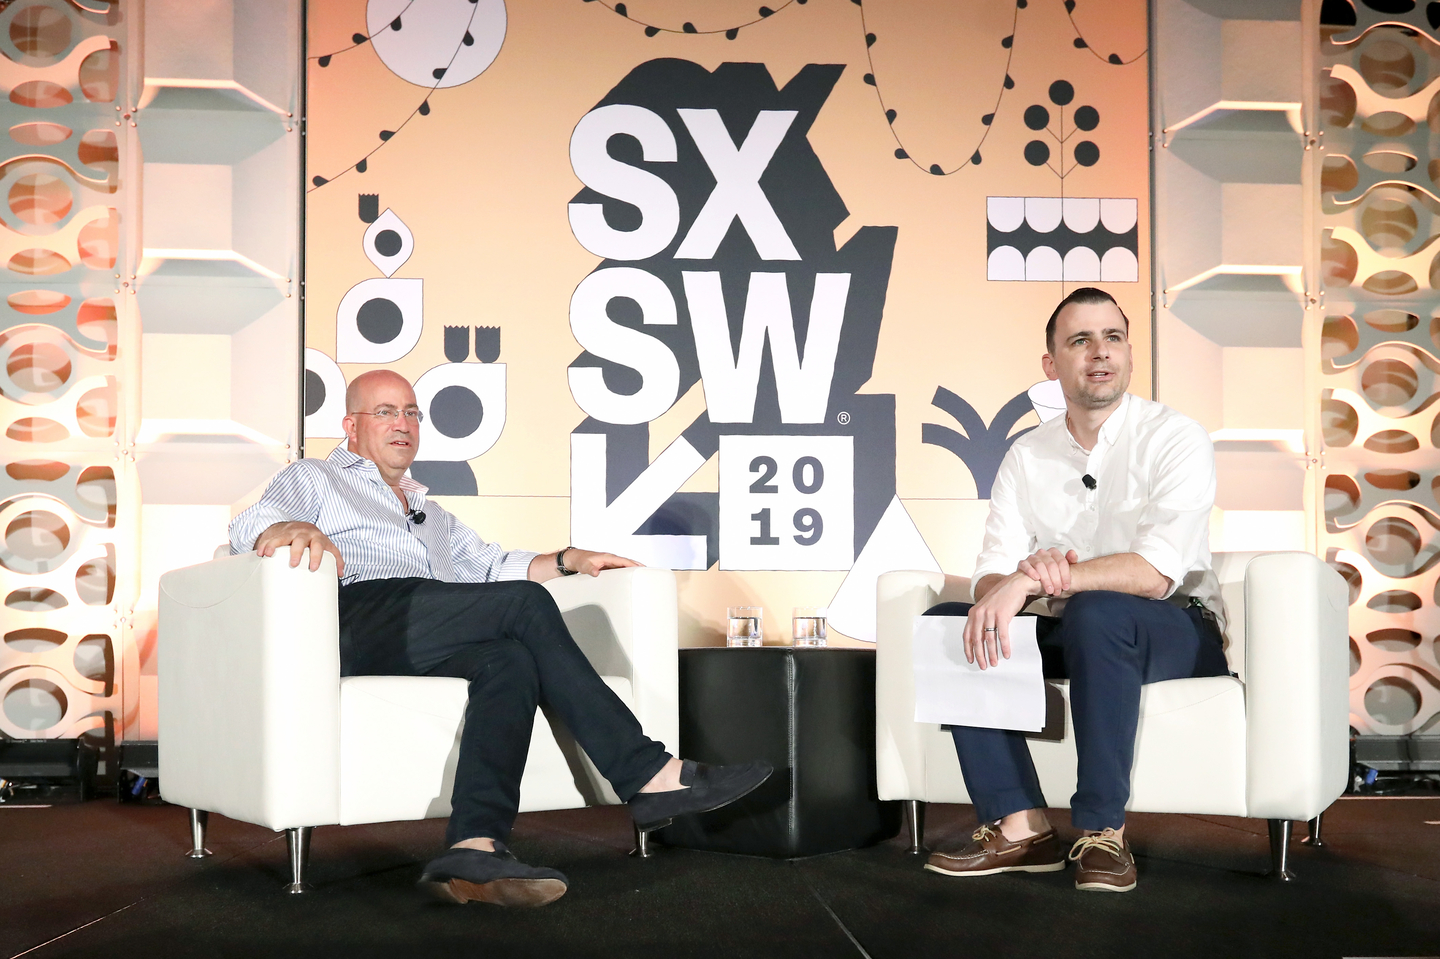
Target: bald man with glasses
(421, 594)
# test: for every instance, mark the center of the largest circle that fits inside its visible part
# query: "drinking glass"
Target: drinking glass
(745, 626)
(807, 626)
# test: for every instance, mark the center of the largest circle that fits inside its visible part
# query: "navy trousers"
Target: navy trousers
(1108, 645)
(510, 642)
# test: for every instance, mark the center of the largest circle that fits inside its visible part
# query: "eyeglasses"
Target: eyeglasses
(389, 415)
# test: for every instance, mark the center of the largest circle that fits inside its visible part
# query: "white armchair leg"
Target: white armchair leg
(1313, 840)
(297, 840)
(915, 819)
(199, 819)
(1280, 850)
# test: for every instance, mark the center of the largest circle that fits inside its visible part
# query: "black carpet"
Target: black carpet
(100, 879)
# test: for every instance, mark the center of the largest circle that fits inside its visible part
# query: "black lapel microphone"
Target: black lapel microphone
(418, 517)
(1087, 479)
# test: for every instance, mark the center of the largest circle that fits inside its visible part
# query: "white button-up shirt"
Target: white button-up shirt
(1154, 472)
(347, 498)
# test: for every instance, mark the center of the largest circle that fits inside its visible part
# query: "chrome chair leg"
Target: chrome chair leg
(915, 820)
(642, 848)
(1280, 850)
(199, 819)
(297, 841)
(1313, 839)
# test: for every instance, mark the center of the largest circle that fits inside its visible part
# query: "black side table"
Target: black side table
(810, 713)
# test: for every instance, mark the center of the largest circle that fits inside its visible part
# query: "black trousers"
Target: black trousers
(1108, 645)
(510, 642)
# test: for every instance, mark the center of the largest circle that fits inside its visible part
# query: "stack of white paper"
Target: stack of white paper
(949, 690)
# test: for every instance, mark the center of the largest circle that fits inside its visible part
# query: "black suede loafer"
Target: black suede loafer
(472, 875)
(704, 788)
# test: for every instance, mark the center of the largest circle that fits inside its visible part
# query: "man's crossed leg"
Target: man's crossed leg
(510, 643)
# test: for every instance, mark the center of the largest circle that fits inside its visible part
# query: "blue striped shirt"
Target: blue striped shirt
(346, 497)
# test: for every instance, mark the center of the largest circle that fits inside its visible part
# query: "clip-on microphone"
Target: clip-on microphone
(418, 517)
(1087, 479)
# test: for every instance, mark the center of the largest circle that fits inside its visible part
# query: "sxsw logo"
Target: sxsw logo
(716, 223)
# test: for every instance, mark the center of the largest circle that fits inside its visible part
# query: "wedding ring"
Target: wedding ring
(991, 629)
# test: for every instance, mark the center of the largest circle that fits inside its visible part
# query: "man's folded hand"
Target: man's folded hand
(1051, 569)
(299, 537)
(584, 561)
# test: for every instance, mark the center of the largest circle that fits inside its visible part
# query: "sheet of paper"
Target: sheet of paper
(951, 691)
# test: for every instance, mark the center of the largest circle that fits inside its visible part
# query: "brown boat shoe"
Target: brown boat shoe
(1103, 863)
(990, 852)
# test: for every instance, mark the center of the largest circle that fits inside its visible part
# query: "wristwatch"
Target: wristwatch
(560, 562)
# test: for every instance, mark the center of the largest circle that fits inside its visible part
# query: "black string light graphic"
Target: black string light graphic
(359, 39)
(651, 30)
(901, 153)
(362, 164)
(1082, 44)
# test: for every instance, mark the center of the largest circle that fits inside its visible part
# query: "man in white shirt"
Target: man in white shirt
(1104, 513)
(422, 594)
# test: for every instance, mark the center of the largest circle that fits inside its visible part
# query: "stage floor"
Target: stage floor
(101, 879)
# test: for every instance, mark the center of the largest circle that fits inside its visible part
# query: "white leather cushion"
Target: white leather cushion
(399, 738)
(1189, 751)
(399, 743)
(558, 774)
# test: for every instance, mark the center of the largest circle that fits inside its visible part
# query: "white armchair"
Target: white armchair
(257, 724)
(1271, 744)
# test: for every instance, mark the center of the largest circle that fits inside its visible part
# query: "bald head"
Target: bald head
(388, 440)
(360, 395)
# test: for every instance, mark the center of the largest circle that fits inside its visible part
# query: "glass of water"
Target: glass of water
(807, 625)
(745, 626)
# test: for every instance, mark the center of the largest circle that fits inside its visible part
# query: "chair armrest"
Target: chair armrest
(899, 747)
(1297, 697)
(626, 621)
(249, 690)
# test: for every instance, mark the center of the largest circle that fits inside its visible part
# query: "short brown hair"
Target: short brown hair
(1084, 295)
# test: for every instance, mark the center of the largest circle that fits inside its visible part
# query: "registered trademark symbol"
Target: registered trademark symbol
(843, 418)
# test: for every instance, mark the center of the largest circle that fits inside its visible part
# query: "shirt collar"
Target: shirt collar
(345, 459)
(1109, 430)
(1115, 422)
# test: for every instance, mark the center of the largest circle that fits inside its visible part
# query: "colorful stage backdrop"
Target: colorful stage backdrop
(756, 294)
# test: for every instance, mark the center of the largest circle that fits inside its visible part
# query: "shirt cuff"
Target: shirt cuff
(515, 565)
(246, 528)
(237, 541)
(981, 573)
(1165, 559)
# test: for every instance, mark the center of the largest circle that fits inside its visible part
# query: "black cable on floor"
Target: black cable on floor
(826, 906)
(174, 882)
(78, 928)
